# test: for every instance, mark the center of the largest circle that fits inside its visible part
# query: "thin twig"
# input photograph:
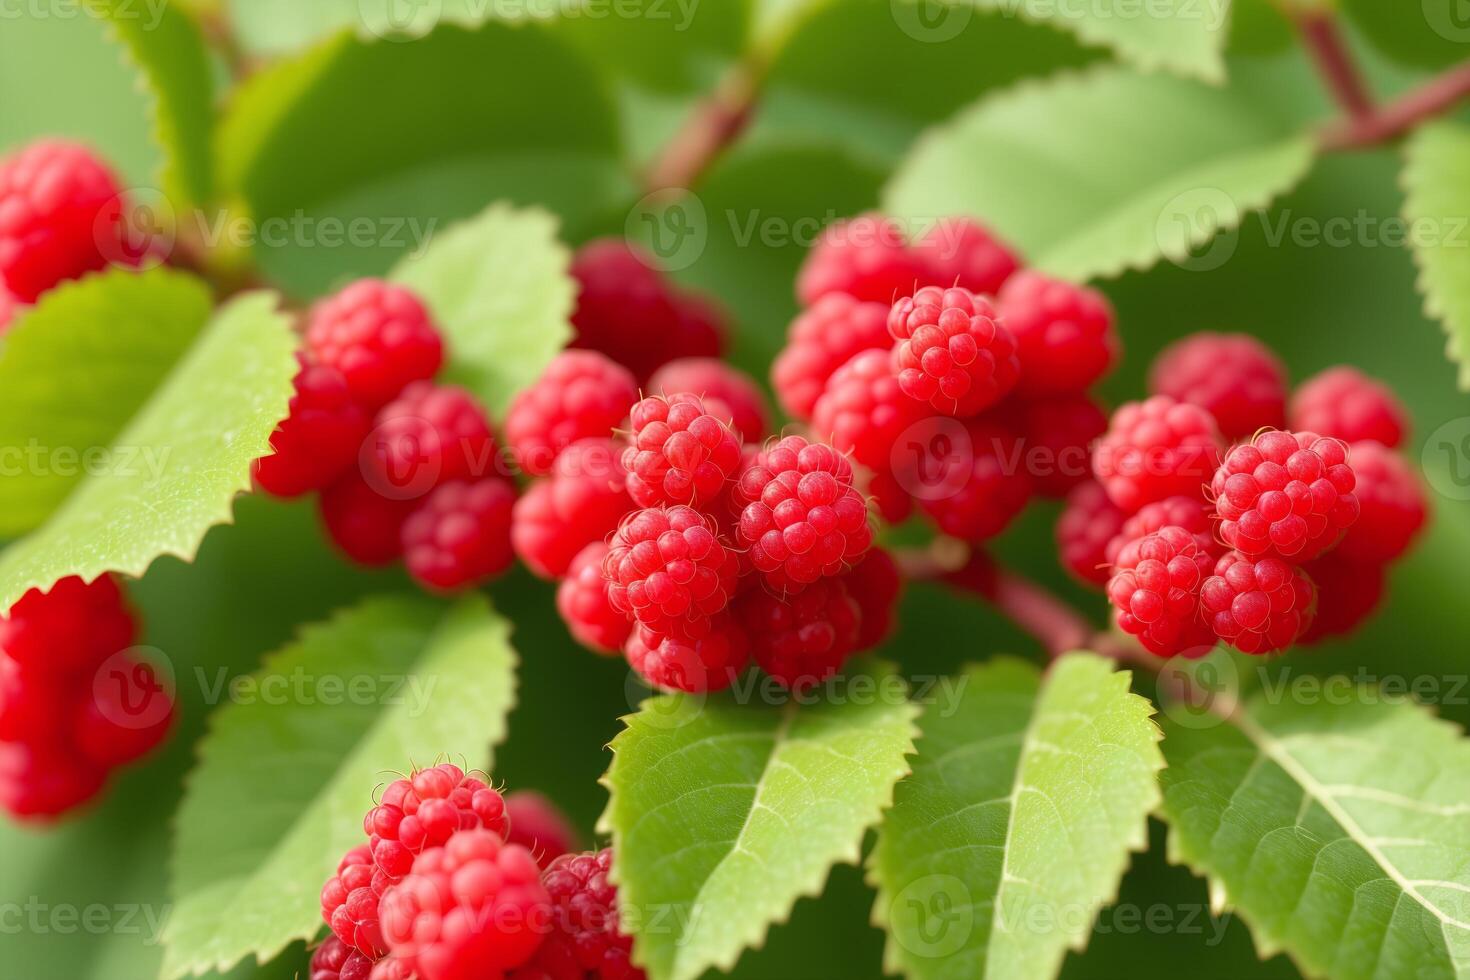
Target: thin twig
(713, 126)
(1393, 119)
(1329, 51)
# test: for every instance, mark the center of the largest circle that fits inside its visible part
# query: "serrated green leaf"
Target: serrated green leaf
(284, 778)
(1016, 826)
(1095, 173)
(723, 814)
(183, 450)
(1337, 826)
(1437, 207)
(499, 287)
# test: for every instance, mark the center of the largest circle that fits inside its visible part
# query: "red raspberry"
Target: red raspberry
(1258, 605)
(364, 524)
(1154, 449)
(865, 257)
(460, 535)
(667, 569)
(1392, 504)
(429, 435)
(585, 607)
(964, 253)
(989, 487)
(391, 968)
(123, 715)
(1083, 531)
(875, 584)
(1155, 592)
(350, 903)
(1346, 404)
(423, 810)
(1058, 434)
(802, 639)
(1285, 494)
(1233, 376)
(33, 704)
(701, 328)
(802, 518)
(318, 439)
(586, 941)
(60, 216)
(581, 502)
(73, 627)
(1186, 512)
(953, 351)
(863, 411)
(580, 395)
(822, 339)
(681, 453)
(731, 395)
(470, 909)
(335, 960)
(709, 663)
(10, 308)
(537, 825)
(45, 781)
(889, 497)
(1065, 334)
(379, 336)
(1348, 593)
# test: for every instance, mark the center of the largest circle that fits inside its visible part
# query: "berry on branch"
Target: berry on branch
(729, 394)
(1348, 594)
(1259, 605)
(667, 569)
(586, 941)
(583, 602)
(460, 535)
(1057, 434)
(953, 350)
(1392, 505)
(1155, 592)
(424, 810)
(582, 501)
(335, 960)
(864, 257)
(801, 639)
(681, 453)
(1064, 333)
(964, 253)
(350, 903)
(1285, 494)
(1233, 376)
(364, 524)
(318, 439)
(580, 395)
(1344, 403)
(988, 484)
(821, 339)
(1088, 523)
(863, 411)
(379, 336)
(1154, 449)
(430, 434)
(710, 662)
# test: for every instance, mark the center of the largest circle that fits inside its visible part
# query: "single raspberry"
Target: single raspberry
(585, 607)
(1346, 404)
(1155, 592)
(709, 663)
(1087, 524)
(953, 350)
(537, 825)
(423, 810)
(61, 212)
(1154, 449)
(318, 439)
(581, 502)
(801, 639)
(801, 517)
(1233, 376)
(1057, 435)
(34, 705)
(964, 253)
(10, 308)
(123, 715)
(1285, 494)
(350, 903)
(470, 909)
(988, 486)
(865, 257)
(1392, 505)
(875, 584)
(681, 453)
(429, 435)
(1065, 334)
(335, 960)
(731, 395)
(379, 336)
(44, 781)
(460, 535)
(1186, 512)
(72, 627)
(580, 395)
(586, 940)
(821, 339)
(667, 569)
(1258, 605)
(1348, 594)
(863, 410)
(364, 524)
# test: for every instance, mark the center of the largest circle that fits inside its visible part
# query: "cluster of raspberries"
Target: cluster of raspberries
(1282, 538)
(456, 882)
(74, 703)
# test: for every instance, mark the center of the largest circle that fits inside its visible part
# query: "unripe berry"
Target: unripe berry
(1346, 404)
(1258, 605)
(681, 453)
(864, 257)
(1065, 337)
(1285, 494)
(730, 395)
(1234, 377)
(580, 395)
(821, 339)
(1154, 449)
(953, 351)
(961, 252)
(1155, 592)
(379, 336)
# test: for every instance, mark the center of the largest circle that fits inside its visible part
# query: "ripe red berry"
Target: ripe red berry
(961, 252)
(889, 497)
(1392, 504)
(429, 435)
(801, 517)
(953, 350)
(1348, 594)
(1346, 404)
(379, 336)
(580, 395)
(863, 411)
(471, 909)
(72, 627)
(583, 602)
(1285, 494)
(537, 825)
(33, 704)
(1154, 449)
(821, 339)
(1233, 376)
(335, 960)
(1087, 524)
(875, 585)
(366, 525)
(1155, 592)
(865, 257)
(582, 501)
(681, 453)
(710, 662)
(1258, 605)
(1057, 435)
(42, 781)
(423, 811)
(987, 484)
(123, 715)
(350, 903)
(1186, 512)
(459, 536)
(1065, 334)
(586, 940)
(801, 639)
(730, 395)
(318, 439)
(667, 568)
(60, 216)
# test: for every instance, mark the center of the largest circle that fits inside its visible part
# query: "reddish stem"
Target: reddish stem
(1335, 62)
(713, 126)
(1393, 119)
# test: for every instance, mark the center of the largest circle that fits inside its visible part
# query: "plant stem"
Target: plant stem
(1393, 119)
(1335, 62)
(709, 130)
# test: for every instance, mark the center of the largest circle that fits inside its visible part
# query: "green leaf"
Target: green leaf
(1337, 826)
(186, 430)
(1436, 205)
(1016, 826)
(1428, 34)
(499, 286)
(1098, 172)
(723, 814)
(289, 767)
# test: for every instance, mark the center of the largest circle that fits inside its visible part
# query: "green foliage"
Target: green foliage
(1425, 34)
(1438, 207)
